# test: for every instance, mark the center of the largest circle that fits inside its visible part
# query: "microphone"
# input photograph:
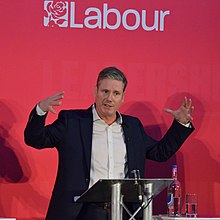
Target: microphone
(136, 174)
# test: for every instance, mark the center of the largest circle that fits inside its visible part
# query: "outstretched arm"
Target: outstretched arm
(183, 113)
(38, 135)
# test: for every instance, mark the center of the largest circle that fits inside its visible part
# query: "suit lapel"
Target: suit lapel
(86, 127)
(131, 155)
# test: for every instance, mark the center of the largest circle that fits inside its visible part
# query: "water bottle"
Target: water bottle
(174, 200)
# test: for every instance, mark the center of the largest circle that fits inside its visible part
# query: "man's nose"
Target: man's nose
(110, 96)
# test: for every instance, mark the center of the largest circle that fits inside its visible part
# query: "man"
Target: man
(99, 143)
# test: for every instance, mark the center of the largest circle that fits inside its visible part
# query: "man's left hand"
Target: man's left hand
(183, 113)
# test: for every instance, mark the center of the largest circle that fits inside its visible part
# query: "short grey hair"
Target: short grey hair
(112, 73)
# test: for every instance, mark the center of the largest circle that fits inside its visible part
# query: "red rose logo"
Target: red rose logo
(57, 9)
(56, 12)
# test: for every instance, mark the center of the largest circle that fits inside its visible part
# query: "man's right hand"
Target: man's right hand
(47, 104)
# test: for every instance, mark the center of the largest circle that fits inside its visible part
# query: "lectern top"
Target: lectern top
(101, 190)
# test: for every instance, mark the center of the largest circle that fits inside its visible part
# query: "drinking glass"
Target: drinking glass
(191, 205)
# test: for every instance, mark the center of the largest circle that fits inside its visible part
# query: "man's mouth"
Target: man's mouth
(107, 105)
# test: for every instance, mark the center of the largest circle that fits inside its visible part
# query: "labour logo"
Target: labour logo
(56, 13)
(63, 14)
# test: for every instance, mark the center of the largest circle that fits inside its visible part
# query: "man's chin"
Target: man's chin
(109, 113)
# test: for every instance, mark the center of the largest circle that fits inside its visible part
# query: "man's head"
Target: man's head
(109, 93)
(112, 73)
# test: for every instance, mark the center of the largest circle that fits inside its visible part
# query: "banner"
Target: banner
(167, 49)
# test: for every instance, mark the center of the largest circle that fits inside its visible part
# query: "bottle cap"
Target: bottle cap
(174, 166)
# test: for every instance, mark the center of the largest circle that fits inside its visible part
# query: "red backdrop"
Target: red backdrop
(39, 58)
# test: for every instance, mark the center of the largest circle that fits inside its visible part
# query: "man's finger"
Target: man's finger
(168, 110)
(57, 96)
(189, 103)
(55, 103)
(52, 110)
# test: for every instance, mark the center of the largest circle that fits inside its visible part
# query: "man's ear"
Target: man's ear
(123, 98)
(95, 91)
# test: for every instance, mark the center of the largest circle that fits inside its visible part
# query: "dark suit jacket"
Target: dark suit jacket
(71, 134)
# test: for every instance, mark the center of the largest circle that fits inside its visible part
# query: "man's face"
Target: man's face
(109, 96)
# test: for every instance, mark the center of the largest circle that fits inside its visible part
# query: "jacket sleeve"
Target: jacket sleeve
(39, 136)
(171, 142)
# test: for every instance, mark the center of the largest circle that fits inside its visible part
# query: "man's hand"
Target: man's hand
(183, 113)
(47, 104)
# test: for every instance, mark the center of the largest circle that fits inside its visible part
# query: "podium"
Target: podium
(119, 191)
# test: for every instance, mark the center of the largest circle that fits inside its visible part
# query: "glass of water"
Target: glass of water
(191, 205)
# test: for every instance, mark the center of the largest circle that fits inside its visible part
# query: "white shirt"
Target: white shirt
(108, 160)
